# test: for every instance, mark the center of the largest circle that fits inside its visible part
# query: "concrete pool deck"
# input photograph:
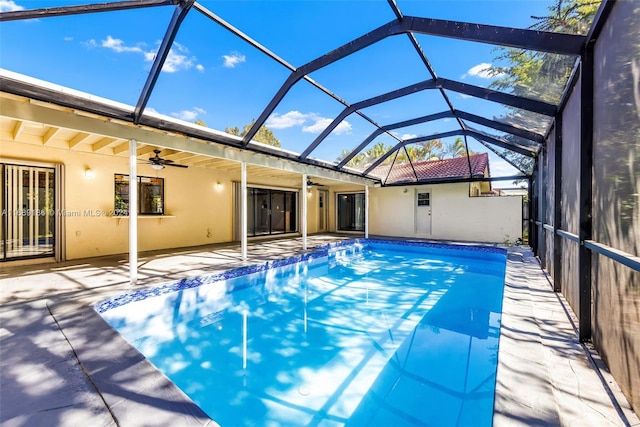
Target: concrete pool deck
(61, 365)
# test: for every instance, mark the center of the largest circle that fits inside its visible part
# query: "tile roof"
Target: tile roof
(457, 167)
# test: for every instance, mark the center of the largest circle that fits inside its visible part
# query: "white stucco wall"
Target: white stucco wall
(454, 215)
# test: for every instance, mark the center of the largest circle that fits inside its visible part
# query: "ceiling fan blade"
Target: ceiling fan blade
(176, 165)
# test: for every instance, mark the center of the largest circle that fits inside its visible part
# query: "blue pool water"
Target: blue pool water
(368, 334)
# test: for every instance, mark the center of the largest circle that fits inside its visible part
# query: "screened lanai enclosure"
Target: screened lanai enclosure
(550, 91)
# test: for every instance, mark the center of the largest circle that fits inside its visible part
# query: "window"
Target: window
(150, 195)
(424, 199)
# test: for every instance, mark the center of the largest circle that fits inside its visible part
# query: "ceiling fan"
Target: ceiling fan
(311, 183)
(158, 162)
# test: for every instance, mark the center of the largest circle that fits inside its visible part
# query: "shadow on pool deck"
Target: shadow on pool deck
(544, 377)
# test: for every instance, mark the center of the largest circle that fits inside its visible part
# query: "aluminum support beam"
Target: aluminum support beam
(303, 202)
(478, 135)
(236, 32)
(366, 211)
(585, 198)
(528, 104)
(406, 123)
(567, 44)
(408, 90)
(525, 151)
(503, 127)
(468, 179)
(557, 208)
(81, 9)
(163, 51)
(502, 156)
(541, 41)
(532, 237)
(410, 141)
(243, 211)
(542, 242)
(133, 212)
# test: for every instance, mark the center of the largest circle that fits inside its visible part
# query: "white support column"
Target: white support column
(366, 211)
(133, 212)
(304, 198)
(243, 209)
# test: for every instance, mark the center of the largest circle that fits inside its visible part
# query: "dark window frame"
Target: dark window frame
(121, 207)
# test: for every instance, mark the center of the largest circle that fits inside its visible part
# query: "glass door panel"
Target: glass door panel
(323, 212)
(291, 222)
(278, 212)
(28, 214)
(262, 209)
(251, 212)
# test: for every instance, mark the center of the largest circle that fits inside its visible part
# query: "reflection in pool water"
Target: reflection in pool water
(374, 334)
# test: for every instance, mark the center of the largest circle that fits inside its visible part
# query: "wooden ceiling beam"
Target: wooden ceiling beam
(102, 144)
(50, 134)
(18, 129)
(79, 138)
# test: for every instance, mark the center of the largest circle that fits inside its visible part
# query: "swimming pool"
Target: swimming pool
(365, 333)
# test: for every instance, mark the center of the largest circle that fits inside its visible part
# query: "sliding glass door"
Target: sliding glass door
(351, 212)
(28, 211)
(271, 211)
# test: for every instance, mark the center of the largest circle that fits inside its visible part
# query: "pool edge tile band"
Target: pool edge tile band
(316, 252)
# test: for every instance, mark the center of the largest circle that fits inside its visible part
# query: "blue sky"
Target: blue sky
(213, 76)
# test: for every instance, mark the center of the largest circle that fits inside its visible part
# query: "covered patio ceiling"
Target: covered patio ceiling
(509, 125)
(77, 131)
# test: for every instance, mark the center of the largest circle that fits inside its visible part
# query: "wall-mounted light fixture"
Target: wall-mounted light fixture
(218, 186)
(89, 173)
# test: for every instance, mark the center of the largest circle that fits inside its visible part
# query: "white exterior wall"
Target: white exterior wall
(454, 215)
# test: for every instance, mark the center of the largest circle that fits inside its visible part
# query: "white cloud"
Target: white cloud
(317, 126)
(91, 43)
(235, 58)
(177, 59)
(310, 122)
(321, 123)
(500, 167)
(344, 127)
(189, 115)
(68, 39)
(287, 120)
(9, 6)
(118, 46)
(408, 136)
(483, 71)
